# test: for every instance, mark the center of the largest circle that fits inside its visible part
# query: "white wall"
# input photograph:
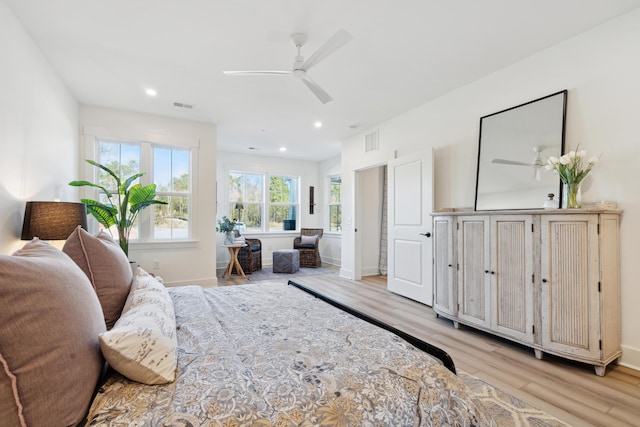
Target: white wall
(38, 131)
(308, 171)
(601, 70)
(180, 263)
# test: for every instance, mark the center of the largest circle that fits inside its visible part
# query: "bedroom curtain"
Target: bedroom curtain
(382, 263)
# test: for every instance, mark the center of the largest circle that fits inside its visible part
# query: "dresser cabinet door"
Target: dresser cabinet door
(474, 269)
(444, 300)
(512, 275)
(569, 290)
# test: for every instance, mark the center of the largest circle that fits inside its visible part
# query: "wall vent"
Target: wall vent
(371, 142)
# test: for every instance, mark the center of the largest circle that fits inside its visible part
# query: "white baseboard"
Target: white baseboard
(336, 262)
(205, 283)
(346, 274)
(630, 358)
(370, 271)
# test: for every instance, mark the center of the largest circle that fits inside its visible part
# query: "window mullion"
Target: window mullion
(145, 217)
(266, 201)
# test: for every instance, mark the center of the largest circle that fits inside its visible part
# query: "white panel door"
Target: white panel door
(410, 187)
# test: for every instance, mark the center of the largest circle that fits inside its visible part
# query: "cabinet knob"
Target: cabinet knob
(544, 280)
(486, 271)
(450, 265)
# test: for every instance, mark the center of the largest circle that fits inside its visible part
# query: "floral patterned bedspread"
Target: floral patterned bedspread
(272, 355)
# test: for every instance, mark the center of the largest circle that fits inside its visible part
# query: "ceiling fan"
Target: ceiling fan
(300, 66)
(537, 163)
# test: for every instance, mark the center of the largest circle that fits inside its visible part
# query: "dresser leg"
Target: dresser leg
(600, 370)
(539, 353)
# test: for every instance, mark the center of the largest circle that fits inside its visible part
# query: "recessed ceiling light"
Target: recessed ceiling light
(151, 92)
(318, 124)
(283, 148)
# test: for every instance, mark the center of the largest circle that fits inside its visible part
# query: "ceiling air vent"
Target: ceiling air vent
(371, 142)
(181, 105)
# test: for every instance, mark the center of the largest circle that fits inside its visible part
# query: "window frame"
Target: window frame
(265, 204)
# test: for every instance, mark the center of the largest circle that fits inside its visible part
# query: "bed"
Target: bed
(267, 355)
(248, 355)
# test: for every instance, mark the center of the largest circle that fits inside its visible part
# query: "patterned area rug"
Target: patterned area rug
(508, 410)
(268, 274)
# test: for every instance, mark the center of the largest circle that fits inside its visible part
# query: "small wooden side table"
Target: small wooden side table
(233, 253)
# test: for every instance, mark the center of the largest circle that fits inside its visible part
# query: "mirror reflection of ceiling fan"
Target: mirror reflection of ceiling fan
(300, 66)
(536, 164)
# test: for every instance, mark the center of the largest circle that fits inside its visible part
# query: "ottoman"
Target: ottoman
(286, 261)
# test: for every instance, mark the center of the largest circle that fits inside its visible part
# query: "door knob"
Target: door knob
(427, 234)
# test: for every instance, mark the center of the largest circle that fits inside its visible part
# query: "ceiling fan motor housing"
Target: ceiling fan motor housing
(299, 73)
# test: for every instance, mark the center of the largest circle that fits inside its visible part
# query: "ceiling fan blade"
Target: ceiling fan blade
(510, 162)
(338, 40)
(256, 73)
(322, 95)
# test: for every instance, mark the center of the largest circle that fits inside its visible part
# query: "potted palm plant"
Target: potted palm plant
(123, 207)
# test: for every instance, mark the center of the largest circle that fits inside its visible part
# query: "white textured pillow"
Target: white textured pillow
(142, 344)
(308, 240)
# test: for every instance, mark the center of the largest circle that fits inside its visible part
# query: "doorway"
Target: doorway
(403, 239)
(370, 189)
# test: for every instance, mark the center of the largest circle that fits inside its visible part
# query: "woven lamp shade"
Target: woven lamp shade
(52, 220)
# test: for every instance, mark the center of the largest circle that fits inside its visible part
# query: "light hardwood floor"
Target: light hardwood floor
(567, 390)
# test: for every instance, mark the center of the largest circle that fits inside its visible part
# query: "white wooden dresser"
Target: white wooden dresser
(548, 279)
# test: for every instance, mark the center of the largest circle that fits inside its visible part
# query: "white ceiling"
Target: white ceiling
(403, 54)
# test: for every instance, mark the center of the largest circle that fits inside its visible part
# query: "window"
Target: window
(335, 204)
(171, 174)
(245, 200)
(283, 195)
(124, 160)
(255, 196)
(170, 171)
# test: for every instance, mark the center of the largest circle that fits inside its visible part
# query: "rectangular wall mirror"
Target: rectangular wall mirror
(513, 150)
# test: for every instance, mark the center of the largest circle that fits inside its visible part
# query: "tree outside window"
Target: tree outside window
(335, 204)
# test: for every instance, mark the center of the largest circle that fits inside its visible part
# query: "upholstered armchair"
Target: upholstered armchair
(308, 245)
(250, 256)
